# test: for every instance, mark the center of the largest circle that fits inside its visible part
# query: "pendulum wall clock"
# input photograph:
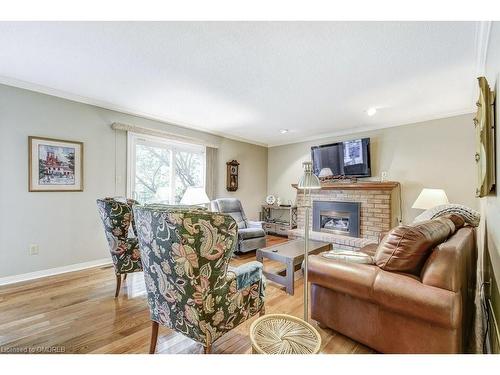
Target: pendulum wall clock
(232, 175)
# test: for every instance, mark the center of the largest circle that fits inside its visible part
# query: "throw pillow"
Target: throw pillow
(405, 248)
(471, 217)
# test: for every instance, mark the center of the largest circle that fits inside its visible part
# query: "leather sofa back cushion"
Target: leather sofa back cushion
(405, 248)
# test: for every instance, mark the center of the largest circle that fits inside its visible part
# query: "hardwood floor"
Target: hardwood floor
(77, 313)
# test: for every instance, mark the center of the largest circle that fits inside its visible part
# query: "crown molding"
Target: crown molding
(109, 106)
(483, 29)
(113, 107)
(364, 129)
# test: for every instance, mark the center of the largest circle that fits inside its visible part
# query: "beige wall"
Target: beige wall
(489, 237)
(252, 178)
(66, 225)
(435, 154)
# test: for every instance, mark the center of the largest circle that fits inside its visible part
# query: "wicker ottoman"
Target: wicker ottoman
(283, 334)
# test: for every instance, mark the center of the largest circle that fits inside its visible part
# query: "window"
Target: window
(160, 170)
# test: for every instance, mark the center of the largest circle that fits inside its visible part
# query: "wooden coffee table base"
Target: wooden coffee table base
(291, 254)
(284, 277)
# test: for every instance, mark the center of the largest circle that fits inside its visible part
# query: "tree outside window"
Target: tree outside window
(154, 179)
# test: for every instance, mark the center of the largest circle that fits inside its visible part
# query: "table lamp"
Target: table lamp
(429, 198)
(309, 181)
(195, 196)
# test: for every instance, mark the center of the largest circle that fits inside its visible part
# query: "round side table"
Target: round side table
(283, 334)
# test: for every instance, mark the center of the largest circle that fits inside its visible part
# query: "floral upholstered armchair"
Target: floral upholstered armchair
(191, 287)
(118, 218)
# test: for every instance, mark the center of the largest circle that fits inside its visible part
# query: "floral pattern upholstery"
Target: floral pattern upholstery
(191, 288)
(117, 217)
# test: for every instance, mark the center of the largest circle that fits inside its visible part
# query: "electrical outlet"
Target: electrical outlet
(33, 249)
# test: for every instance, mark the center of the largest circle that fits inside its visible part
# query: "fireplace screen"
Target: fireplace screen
(336, 217)
(334, 222)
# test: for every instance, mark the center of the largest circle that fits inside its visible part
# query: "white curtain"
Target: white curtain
(211, 171)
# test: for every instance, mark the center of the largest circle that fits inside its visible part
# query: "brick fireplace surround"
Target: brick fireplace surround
(379, 211)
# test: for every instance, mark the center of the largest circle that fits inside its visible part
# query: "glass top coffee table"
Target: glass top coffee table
(291, 254)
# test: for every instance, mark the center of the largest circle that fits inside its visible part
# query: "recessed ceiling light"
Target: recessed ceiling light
(371, 111)
(284, 131)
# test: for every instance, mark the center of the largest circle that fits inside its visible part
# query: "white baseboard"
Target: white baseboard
(53, 271)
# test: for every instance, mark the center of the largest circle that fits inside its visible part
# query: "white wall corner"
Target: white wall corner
(483, 29)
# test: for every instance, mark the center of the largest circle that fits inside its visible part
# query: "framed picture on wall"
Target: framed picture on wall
(55, 165)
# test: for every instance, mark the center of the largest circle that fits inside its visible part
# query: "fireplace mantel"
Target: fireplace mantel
(369, 185)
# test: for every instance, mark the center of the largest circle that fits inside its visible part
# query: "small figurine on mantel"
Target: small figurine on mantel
(326, 175)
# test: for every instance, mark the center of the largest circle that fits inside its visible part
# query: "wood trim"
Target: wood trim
(7, 280)
(372, 185)
(30, 145)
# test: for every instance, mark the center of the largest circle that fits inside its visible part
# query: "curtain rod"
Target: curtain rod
(160, 133)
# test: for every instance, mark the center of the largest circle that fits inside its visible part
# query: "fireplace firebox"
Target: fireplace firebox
(336, 217)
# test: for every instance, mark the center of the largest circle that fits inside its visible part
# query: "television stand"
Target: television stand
(278, 219)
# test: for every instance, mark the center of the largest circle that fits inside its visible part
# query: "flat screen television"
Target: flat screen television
(349, 158)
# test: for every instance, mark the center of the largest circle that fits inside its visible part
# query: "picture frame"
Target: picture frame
(484, 124)
(54, 165)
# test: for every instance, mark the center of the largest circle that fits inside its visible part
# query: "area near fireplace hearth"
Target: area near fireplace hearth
(350, 215)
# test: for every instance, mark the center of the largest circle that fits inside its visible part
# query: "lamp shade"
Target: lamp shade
(195, 195)
(429, 198)
(308, 180)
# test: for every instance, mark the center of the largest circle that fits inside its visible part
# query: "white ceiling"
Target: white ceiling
(248, 80)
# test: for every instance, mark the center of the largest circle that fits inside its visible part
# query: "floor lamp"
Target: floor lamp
(309, 181)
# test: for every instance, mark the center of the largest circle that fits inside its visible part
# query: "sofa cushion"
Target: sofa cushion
(247, 233)
(348, 256)
(405, 248)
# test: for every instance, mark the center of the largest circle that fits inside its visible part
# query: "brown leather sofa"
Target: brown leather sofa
(428, 311)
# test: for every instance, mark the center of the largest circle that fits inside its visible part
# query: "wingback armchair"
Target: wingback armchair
(251, 235)
(117, 216)
(190, 286)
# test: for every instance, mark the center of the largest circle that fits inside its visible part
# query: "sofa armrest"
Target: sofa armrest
(408, 296)
(247, 274)
(351, 278)
(400, 293)
(254, 224)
